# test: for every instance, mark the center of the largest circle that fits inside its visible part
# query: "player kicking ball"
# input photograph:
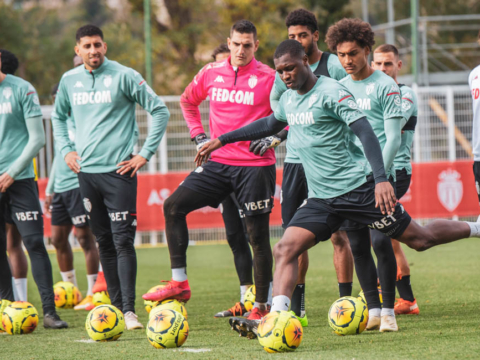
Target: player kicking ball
(101, 96)
(338, 186)
(386, 59)
(21, 137)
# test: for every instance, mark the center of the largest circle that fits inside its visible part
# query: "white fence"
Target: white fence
(444, 132)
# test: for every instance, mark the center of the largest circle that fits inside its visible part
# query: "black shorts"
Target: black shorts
(476, 174)
(254, 186)
(294, 191)
(233, 215)
(67, 209)
(323, 217)
(110, 202)
(403, 183)
(350, 225)
(19, 205)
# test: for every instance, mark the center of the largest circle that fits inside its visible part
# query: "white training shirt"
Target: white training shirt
(474, 83)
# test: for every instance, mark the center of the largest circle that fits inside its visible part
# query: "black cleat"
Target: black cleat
(245, 327)
(53, 321)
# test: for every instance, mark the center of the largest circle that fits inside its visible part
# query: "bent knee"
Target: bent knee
(340, 240)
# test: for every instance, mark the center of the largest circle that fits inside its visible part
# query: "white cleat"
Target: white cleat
(131, 321)
(389, 324)
(373, 323)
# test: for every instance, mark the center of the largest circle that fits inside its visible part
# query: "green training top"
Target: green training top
(336, 71)
(102, 103)
(378, 96)
(64, 178)
(319, 133)
(18, 102)
(409, 108)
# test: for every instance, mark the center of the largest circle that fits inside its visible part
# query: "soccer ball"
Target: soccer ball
(171, 304)
(101, 298)
(20, 317)
(149, 305)
(167, 329)
(361, 296)
(105, 323)
(348, 316)
(249, 299)
(280, 331)
(66, 295)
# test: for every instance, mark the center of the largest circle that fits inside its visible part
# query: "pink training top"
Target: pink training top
(237, 98)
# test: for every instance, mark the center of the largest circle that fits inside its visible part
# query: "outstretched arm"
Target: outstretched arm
(258, 129)
(384, 194)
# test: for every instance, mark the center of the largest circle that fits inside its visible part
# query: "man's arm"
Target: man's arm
(393, 132)
(278, 89)
(256, 130)
(51, 178)
(137, 90)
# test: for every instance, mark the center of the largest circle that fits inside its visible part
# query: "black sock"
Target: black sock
(298, 300)
(404, 288)
(345, 289)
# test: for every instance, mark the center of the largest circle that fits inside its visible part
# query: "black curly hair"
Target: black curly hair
(302, 17)
(347, 30)
(9, 62)
(291, 47)
(220, 49)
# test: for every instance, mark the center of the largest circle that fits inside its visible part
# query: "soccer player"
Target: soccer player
(378, 96)
(235, 228)
(386, 59)
(302, 26)
(474, 84)
(239, 90)
(22, 136)
(101, 97)
(320, 118)
(64, 202)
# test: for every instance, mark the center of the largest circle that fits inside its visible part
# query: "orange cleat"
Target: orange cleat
(405, 307)
(236, 310)
(100, 284)
(179, 290)
(257, 314)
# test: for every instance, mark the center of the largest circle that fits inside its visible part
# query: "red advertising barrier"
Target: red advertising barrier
(441, 189)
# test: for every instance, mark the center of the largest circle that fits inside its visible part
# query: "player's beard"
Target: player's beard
(309, 49)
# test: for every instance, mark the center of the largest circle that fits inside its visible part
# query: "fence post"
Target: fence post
(452, 151)
(416, 135)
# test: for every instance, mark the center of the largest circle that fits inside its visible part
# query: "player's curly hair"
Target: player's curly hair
(350, 30)
(302, 17)
(9, 62)
(220, 49)
(88, 30)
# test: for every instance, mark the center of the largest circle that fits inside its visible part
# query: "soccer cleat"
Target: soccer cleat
(303, 319)
(100, 283)
(405, 307)
(389, 324)
(131, 321)
(53, 321)
(373, 323)
(3, 304)
(84, 304)
(179, 290)
(245, 327)
(90, 307)
(236, 310)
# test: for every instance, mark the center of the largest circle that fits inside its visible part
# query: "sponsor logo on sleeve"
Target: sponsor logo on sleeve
(397, 100)
(406, 105)
(352, 104)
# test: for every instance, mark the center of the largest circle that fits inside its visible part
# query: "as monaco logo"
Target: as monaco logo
(252, 82)
(313, 99)
(87, 204)
(450, 189)
(7, 92)
(369, 88)
(107, 80)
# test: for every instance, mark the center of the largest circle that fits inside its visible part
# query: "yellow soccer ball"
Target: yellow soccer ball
(249, 299)
(101, 298)
(280, 331)
(66, 295)
(149, 305)
(167, 329)
(348, 316)
(170, 304)
(20, 317)
(105, 323)
(361, 296)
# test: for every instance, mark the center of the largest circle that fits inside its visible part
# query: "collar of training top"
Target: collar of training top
(251, 65)
(100, 69)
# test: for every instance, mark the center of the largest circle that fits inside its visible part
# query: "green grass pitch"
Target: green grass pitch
(445, 281)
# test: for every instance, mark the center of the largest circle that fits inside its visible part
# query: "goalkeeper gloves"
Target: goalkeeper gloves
(200, 140)
(260, 146)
